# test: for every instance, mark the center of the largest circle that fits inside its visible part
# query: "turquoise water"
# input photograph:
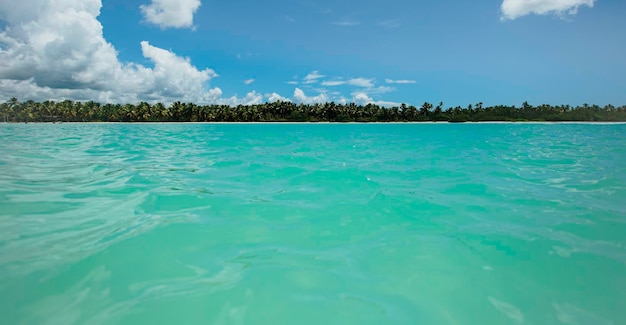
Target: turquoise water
(312, 224)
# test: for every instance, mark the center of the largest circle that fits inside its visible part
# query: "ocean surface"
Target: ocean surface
(313, 223)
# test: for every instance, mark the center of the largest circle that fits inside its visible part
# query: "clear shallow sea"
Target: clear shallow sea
(313, 223)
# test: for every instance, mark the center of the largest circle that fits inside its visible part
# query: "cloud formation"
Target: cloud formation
(300, 97)
(364, 87)
(274, 97)
(251, 98)
(333, 83)
(358, 82)
(361, 82)
(170, 13)
(249, 81)
(391, 81)
(513, 9)
(312, 77)
(56, 50)
(362, 98)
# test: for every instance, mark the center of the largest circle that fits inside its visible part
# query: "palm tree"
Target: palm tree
(425, 109)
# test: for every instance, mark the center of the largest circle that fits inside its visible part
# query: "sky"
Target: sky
(385, 52)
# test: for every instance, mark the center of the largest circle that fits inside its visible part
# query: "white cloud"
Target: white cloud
(170, 13)
(56, 50)
(365, 88)
(172, 73)
(362, 98)
(513, 9)
(358, 82)
(381, 90)
(300, 97)
(361, 82)
(292, 82)
(248, 81)
(390, 81)
(274, 97)
(312, 77)
(333, 83)
(252, 98)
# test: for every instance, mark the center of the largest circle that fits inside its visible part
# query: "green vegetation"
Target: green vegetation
(71, 111)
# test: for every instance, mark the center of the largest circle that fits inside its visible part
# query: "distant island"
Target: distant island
(75, 111)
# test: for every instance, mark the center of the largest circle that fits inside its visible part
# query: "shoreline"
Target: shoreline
(330, 123)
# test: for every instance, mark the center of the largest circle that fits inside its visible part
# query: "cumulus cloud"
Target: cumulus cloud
(172, 75)
(364, 88)
(300, 97)
(170, 13)
(391, 81)
(362, 98)
(274, 97)
(58, 44)
(251, 98)
(56, 50)
(513, 9)
(249, 81)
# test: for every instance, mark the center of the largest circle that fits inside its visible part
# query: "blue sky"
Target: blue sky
(386, 52)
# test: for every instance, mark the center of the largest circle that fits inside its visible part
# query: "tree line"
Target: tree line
(14, 110)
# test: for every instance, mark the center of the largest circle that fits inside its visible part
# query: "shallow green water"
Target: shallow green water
(313, 224)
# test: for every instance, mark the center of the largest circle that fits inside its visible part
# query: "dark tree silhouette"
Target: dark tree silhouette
(70, 111)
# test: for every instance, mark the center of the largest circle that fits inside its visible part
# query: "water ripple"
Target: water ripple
(401, 223)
